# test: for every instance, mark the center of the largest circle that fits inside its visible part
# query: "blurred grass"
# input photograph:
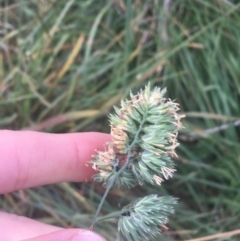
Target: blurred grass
(65, 63)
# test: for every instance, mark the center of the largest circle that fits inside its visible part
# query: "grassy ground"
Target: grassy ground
(65, 63)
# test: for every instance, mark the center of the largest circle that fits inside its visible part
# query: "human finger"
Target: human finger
(31, 159)
(69, 235)
(16, 228)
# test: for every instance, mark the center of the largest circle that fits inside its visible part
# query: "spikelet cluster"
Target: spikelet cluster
(143, 218)
(144, 138)
(108, 163)
(146, 126)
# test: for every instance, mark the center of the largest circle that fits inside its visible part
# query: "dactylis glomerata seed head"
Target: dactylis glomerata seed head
(144, 133)
(142, 219)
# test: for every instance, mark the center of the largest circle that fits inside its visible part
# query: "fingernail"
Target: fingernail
(87, 236)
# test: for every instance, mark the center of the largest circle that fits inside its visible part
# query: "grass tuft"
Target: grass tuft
(65, 63)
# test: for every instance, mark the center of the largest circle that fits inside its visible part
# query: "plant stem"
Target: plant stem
(116, 174)
(113, 215)
(109, 186)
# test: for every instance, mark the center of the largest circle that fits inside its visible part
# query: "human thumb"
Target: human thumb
(69, 235)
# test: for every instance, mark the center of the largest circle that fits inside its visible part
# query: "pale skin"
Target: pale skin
(30, 159)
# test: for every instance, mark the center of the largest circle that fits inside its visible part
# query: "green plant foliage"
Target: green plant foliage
(192, 47)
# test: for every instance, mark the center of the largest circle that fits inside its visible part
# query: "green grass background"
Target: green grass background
(75, 59)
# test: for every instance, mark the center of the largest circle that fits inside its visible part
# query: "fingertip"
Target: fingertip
(86, 235)
(31, 159)
(69, 235)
